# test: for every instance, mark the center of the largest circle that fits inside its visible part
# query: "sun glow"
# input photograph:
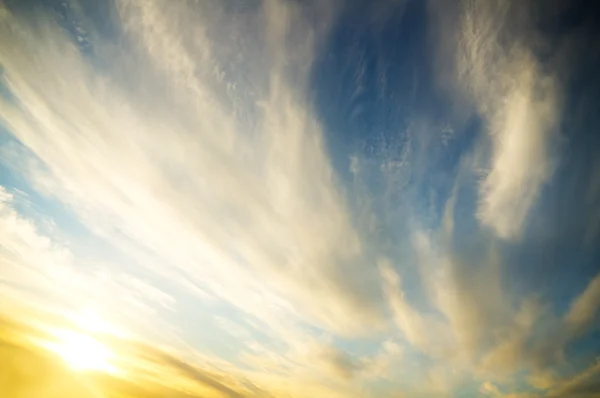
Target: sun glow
(83, 352)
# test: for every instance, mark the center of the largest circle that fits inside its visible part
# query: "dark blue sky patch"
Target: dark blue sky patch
(368, 80)
(374, 91)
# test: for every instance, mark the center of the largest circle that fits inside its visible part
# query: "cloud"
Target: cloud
(521, 395)
(548, 348)
(542, 380)
(583, 309)
(466, 290)
(339, 362)
(509, 353)
(475, 330)
(407, 319)
(488, 388)
(519, 101)
(40, 271)
(23, 249)
(582, 385)
(243, 183)
(196, 375)
(204, 185)
(536, 343)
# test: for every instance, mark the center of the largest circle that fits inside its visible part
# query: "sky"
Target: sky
(299, 198)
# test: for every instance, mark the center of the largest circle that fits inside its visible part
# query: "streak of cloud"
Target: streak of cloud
(521, 104)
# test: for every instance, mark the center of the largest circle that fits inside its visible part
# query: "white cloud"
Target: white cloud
(40, 272)
(179, 175)
(466, 305)
(519, 103)
(227, 195)
(467, 291)
(407, 319)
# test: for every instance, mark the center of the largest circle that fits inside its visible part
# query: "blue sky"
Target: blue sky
(330, 199)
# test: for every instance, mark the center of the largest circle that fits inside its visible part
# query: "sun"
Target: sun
(82, 352)
(82, 344)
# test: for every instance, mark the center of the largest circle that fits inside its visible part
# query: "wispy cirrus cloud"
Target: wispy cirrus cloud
(228, 199)
(262, 189)
(521, 105)
(583, 309)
